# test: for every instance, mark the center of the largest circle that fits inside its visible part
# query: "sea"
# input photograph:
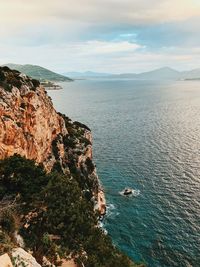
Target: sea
(146, 136)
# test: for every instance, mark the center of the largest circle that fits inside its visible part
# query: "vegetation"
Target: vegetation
(12, 78)
(39, 73)
(53, 215)
(18, 262)
(6, 243)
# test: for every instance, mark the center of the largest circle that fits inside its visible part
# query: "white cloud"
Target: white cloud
(67, 35)
(98, 11)
(124, 58)
(103, 47)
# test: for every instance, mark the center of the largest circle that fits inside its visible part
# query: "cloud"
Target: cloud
(65, 20)
(116, 35)
(96, 13)
(102, 47)
(89, 56)
(126, 11)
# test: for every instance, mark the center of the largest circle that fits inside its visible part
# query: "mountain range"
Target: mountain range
(164, 73)
(86, 74)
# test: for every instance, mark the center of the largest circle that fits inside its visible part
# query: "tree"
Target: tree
(21, 176)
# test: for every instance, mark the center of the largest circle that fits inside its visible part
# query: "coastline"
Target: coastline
(101, 202)
(99, 194)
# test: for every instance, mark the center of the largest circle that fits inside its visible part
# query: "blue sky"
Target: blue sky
(113, 36)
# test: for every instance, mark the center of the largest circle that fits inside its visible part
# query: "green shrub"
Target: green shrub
(35, 83)
(6, 244)
(13, 80)
(61, 218)
(7, 221)
(6, 86)
(2, 76)
(90, 165)
(19, 175)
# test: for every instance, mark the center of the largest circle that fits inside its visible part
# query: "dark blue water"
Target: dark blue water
(146, 136)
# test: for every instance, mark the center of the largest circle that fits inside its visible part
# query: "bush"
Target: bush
(7, 221)
(19, 175)
(6, 86)
(13, 80)
(2, 76)
(90, 165)
(35, 83)
(6, 244)
(59, 217)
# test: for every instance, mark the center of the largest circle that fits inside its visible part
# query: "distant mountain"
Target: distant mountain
(165, 73)
(38, 72)
(162, 73)
(86, 74)
(193, 74)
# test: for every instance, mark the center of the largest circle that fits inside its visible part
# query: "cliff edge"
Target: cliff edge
(31, 127)
(50, 195)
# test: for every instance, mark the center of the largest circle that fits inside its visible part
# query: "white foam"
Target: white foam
(135, 193)
(101, 225)
(111, 207)
(111, 210)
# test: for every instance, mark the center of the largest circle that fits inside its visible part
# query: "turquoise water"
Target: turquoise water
(146, 136)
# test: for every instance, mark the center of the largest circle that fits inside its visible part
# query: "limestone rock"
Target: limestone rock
(21, 256)
(31, 127)
(28, 124)
(5, 261)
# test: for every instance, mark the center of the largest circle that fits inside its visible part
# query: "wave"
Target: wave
(135, 193)
(111, 210)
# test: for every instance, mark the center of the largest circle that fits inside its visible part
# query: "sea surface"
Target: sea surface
(147, 137)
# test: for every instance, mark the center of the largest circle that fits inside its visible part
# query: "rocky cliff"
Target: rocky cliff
(53, 213)
(31, 127)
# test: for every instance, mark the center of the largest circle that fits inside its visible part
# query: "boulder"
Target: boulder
(5, 261)
(21, 256)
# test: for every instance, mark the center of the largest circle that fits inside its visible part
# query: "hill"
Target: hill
(39, 73)
(165, 73)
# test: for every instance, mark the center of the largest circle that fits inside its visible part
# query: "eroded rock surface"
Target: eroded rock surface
(23, 258)
(31, 127)
(5, 261)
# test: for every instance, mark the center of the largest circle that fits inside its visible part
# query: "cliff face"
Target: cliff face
(31, 127)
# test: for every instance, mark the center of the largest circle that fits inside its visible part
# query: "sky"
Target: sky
(114, 36)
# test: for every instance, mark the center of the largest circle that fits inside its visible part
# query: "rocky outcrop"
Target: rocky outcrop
(28, 122)
(5, 261)
(31, 127)
(22, 258)
(19, 258)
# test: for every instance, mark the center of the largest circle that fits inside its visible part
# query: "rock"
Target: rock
(47, 263)
(21, 256)
(68, 263)
(28, 124)
(5, 261)
(101, 202)
(31, 127)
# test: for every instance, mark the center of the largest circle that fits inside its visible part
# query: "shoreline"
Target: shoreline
(101, 202)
